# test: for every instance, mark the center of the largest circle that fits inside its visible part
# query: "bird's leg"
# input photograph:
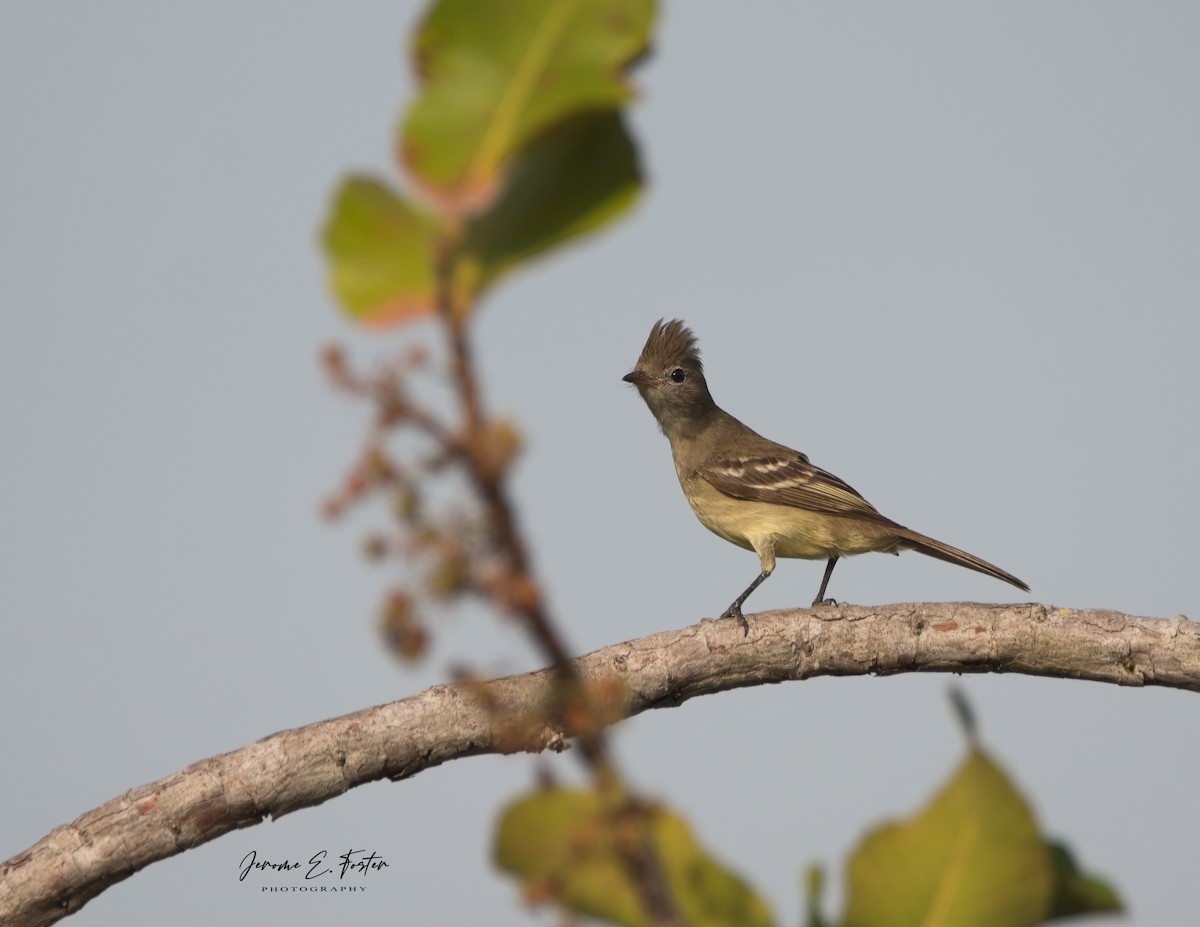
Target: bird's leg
(735, 610)
(820, 599)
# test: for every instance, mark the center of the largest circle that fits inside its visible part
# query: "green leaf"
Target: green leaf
(496, 75)
(565, 844)
(1075, 892)
(814, 891)
(964, 713)
(971, 857)
(381, 253)
(572, 179)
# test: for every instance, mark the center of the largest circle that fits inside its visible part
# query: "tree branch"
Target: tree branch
(310, 765)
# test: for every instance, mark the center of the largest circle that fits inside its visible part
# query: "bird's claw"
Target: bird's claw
(818, 603)
(735, 611)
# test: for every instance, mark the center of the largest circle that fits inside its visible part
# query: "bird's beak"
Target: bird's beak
(637, 378)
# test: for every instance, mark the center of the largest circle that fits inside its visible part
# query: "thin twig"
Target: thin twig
(642, 861)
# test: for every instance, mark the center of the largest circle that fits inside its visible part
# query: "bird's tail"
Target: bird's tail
(931, 548)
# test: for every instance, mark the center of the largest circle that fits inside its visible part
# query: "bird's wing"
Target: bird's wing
(788, 479)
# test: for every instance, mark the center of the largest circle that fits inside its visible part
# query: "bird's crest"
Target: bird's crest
(670, 344)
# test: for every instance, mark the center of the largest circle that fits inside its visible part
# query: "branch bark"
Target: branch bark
(310, 765)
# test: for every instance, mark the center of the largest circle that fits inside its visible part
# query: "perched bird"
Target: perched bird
(758, 494)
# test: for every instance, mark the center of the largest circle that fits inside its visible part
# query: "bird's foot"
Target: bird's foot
(735, 611)
(818, 603)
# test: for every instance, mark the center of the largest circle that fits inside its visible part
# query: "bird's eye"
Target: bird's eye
(677, 375)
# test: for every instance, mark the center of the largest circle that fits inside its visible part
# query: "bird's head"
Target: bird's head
(670, 377)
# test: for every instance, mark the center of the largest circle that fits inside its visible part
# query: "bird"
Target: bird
(757, 494)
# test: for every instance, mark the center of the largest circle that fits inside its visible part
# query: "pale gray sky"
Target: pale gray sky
(948, 250)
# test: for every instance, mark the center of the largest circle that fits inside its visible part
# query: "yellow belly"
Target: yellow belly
(783, 529)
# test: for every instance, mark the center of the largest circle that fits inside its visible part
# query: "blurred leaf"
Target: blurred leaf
(1075, 892)
(497, 74)
(814, 891)
(380, 250)
(565, 845)
(971, 857)
(572, 179)
(964, 713)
